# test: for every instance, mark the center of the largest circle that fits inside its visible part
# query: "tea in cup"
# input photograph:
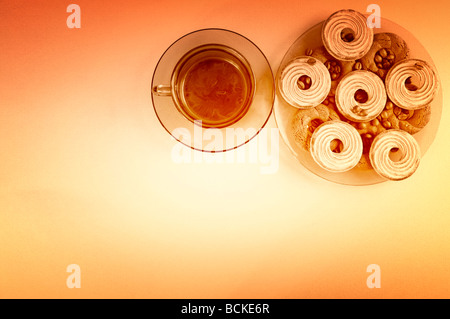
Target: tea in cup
(211, 83)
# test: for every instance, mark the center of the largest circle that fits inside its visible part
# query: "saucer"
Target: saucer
(284, 112)
(189, 131)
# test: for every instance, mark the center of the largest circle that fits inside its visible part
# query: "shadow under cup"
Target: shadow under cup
(213, 90)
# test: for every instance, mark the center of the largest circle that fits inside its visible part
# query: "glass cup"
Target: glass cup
(213, 90)
(213, 84)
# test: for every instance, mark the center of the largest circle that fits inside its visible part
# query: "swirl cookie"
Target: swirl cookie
(341, 160)
(346, 36)
(306, 121)
(406, 94)
(400, 142)
(362, 82)
(392, 117)
(387, 49)
(304, 82)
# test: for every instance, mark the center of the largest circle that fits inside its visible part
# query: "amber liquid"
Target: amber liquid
(215, 87)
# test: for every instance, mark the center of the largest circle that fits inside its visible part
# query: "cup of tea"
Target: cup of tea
(213, 90)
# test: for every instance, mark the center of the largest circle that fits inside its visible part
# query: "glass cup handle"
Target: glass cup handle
(162, 90)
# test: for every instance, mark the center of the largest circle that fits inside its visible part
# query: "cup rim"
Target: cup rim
(178, 74)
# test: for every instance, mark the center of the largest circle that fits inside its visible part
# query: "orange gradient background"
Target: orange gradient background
(86, 175)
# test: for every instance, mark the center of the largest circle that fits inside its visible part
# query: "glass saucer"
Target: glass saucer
(284, 112)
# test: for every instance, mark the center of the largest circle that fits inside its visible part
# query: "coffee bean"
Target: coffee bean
(384, 115)
(301, 85)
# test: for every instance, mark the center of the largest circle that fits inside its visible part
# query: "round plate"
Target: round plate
(284, 112)
(215, 139)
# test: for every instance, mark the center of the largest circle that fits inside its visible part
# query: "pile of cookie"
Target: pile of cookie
(364, 85)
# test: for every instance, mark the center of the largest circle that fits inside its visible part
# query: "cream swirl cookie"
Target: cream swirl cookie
(304, 82)
(403, 144)
(342, 160)
(412, 84)
(346, 36)
(363, 83)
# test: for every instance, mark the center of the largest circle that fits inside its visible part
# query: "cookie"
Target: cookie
(392, 117)
(407, 160)
(304, 82)
(346, 35)
(336, 160)
(412, 84)
(411, 121)
(360, 82)
(387, 49)
(305, 121)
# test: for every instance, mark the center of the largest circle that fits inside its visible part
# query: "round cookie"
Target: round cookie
(387, 49)
(412, 84)
(304, 82)
(305, 121)
(356, 83)
(336, 132)
(406, 163)
(411, 121)
(346, 35)
(392, 117)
